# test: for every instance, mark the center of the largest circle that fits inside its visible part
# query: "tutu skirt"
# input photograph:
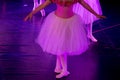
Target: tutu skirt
(63, 35)
(87, 16)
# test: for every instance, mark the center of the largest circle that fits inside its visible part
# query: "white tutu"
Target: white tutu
(63, 35)
(87, 16)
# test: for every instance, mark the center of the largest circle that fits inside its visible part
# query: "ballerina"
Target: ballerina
(63, 32)
(37, 3)
(88, 17)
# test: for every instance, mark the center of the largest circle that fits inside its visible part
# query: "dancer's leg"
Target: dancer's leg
(89, 30)
(63, 59)
(35, 4)
(58, 68)
(42, 11)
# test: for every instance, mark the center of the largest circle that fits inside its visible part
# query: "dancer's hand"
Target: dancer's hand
(101, 16)
(29, 16)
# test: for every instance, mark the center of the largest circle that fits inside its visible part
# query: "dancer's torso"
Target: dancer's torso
(64, 8)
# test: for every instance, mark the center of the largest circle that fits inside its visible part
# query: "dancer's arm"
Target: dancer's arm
(85, 5)
(29, 16)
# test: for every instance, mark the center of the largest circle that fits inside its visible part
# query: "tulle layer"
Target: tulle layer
(63, 35)
(85, 14)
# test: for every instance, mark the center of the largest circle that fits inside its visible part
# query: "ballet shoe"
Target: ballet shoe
(92, 38)
(33, 7)
(42, 12)
(63, 74)
(58, 70)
